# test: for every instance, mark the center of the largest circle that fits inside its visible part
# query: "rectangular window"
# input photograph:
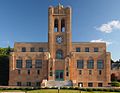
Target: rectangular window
(67, 73)
(18, 83)
(90, 64)
(86, 49)
(23, 49)
(19, 72)
(40, 49)
(80, 72)
(50, 68)
(100, 84)
(100, 72)
(28, 84)
(51, 74)
(100, 64)
(28, 63)
(18, 63)
(38, 84)
(96, 49)
(38, 72)
(28, 72)
(38, 64)
(80, 64)
(90, 72)
(32, 49)
(77, 49)
(90, 84)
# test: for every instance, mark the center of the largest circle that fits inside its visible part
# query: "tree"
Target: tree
(5, 51)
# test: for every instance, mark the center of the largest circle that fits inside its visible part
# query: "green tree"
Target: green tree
(5, 51)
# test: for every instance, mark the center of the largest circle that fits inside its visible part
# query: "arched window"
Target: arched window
(62, 25)
(56, 25)
(59, 54)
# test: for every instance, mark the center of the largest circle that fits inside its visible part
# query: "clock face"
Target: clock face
(59, 39)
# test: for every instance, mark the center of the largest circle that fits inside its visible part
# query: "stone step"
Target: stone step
(53, 83)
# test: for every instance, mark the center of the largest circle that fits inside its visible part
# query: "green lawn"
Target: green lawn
(54, 91)
(64, 91)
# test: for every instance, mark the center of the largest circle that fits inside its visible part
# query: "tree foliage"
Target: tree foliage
(4, 65)
(5, 51)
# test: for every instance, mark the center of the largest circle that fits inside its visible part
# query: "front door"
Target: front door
(59, 75)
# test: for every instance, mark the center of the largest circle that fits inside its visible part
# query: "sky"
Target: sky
(92, 21)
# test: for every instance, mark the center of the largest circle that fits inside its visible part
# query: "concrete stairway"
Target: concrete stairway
(53, 83)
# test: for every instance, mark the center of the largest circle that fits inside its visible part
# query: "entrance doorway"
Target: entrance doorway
(80, 84)
(59, 75)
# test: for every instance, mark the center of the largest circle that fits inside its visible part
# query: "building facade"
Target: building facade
(86, 64)
(115, 71)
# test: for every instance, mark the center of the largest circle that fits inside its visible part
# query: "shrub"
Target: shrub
(116, 84)
(89, 89)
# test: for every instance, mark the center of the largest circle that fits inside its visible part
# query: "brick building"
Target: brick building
(86, 64)
(115, 71)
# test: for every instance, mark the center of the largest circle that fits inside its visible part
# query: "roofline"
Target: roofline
(88, 42)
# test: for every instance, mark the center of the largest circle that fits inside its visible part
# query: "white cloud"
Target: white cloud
(101, 41)
(110, 26)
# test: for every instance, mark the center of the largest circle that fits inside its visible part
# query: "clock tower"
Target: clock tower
(59, 40)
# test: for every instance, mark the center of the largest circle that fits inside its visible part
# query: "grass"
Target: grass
(54, 91)
(64, 91)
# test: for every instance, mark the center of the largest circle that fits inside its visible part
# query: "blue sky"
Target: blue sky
(92, 21)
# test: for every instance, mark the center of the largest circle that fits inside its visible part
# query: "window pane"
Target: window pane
(19, 71)
(28, 72)
(61, 75)
(100, 72)
(95, 49)
(18, 83)
(51, 73)
(80, 64)
(56, 25)
(90, 84)
(32, 49)
(67, 73)
(37, 83)
(62, 25)
(40, 49)
(100, 84)
(59, 54)
(80, 72)
(100, 64)
(18, 63)
(28, 63)
(23, 49)
(28, 83)
(87, 49)
(38, 72)
(38, 64)
(90, 64)
(77, 49)
(90, 72)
